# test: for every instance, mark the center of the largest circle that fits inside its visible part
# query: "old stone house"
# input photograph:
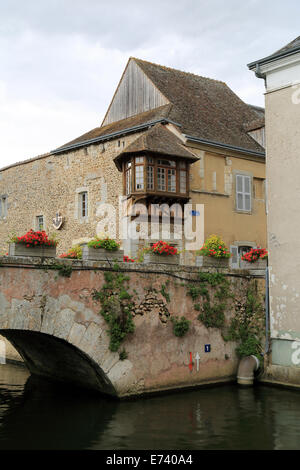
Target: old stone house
(168, 136)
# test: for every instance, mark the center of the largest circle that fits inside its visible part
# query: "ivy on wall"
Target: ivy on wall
(116, 308)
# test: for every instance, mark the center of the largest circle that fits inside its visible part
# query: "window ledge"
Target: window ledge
(243, 212)
(213, 193)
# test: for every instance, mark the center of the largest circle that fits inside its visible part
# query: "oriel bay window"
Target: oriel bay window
(145, 174)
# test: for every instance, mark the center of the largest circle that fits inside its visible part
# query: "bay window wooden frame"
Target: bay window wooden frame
(181, 165)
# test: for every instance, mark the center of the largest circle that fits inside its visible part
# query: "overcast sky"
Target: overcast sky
(61, 60)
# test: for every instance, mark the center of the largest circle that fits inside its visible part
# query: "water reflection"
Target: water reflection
(35, 414)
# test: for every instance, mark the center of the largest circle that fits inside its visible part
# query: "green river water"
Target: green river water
(35, 414)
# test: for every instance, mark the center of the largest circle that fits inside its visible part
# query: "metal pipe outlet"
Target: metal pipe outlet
(247, 366)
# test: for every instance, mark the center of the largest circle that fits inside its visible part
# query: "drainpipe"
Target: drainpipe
(267, 307)
(247, 366)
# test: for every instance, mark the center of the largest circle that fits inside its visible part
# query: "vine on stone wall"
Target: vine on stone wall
(247, 326)
(116, 308)
(212, 313)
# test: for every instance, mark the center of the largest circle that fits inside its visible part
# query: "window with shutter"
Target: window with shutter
(234, 260)
(243, 193)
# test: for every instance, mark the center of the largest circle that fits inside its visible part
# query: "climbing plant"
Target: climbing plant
(212, 310)
(247, 327)
(116, 303)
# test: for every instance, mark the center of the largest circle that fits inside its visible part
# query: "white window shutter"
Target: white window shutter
(234, 260)
(243, 193)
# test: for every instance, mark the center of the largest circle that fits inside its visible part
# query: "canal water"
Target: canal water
(35, 414)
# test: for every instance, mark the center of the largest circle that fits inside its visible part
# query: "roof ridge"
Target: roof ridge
(177, 70)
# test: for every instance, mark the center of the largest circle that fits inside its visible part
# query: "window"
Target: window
(161, 179)
(172, 181)
(243, 193)
(83, 205)
(145, 173)
(139, 173)
(182, 178)
(237, 251)
(3, 206)
(128, 177)
(40, 223)
(166, 176)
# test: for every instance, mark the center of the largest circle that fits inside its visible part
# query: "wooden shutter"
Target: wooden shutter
(234, 260)
(243, 193)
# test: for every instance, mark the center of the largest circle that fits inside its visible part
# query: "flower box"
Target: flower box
(100, 254)
(259, 264)
(42, 251)
(161, 259)
(212, 262)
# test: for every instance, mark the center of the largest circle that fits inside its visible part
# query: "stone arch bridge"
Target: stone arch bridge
(54, 323)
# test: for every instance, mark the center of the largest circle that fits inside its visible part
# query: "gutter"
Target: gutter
(225, 146)
(105, 137)
(273, 58)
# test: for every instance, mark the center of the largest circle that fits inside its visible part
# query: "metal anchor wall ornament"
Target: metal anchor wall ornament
(58, 221)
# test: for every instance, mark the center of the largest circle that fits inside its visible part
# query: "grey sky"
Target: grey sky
(61, 60)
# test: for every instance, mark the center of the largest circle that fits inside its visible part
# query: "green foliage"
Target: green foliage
(64, 270)
(165, 293)
(250, 346)
(123, 355)
(214, 247)
(213, 316)
(247, 327)
(105, 243)
(213, 279)
(116, 308)
(180, 326)
(196, 291)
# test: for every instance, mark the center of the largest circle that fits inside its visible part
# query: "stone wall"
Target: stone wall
(52, 183)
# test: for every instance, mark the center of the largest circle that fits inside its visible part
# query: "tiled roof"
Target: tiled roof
(290, 48)
(133, 121)
(205, 108)
(158, 139)
(295, 44)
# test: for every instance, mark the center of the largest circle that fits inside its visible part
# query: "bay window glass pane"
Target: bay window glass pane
(161, 179)
(150, 177)
(182, 181)
(172, 181)
(139, 177)
(139, 159)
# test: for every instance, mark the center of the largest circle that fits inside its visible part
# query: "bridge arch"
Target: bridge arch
(56, 359)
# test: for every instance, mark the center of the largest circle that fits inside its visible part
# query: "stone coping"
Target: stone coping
(36, 262)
